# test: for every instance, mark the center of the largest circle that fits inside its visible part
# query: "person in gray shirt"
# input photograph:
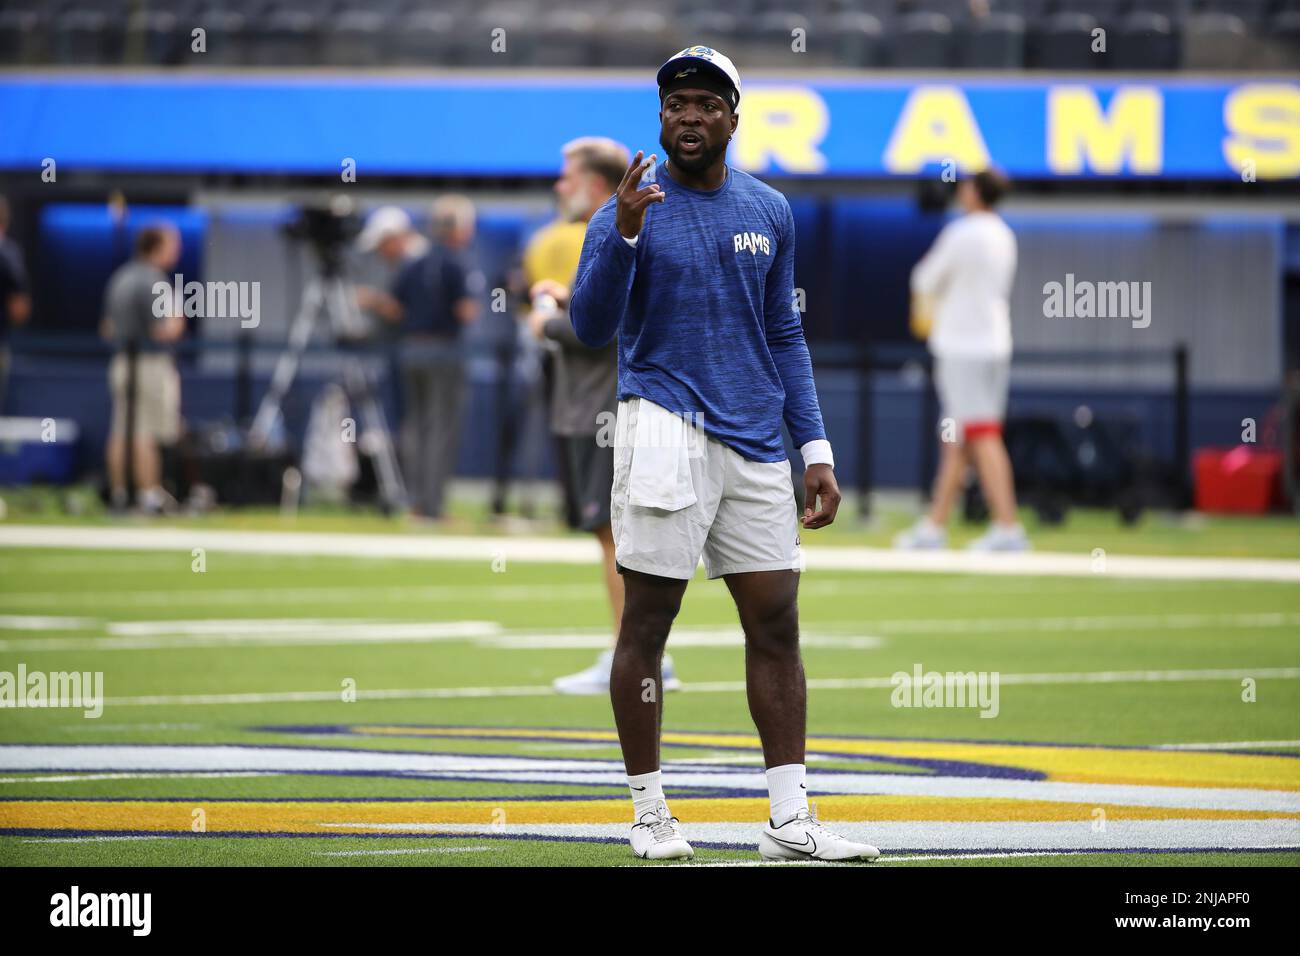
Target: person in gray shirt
(583, 397)
(141, 320)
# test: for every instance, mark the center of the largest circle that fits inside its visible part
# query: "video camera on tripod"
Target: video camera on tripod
(327, 228)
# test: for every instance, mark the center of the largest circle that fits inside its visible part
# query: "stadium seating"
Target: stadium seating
(85, 36)
(20, 36)
(922, 40)
(635, 36)
(419, 38)
(858, 38)
(909, 34)
(1144, 41)
(1215, 41)
(995, 42)
(1063, 41)
(355, 38)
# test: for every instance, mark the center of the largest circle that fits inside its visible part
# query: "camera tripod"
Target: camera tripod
(332, 296)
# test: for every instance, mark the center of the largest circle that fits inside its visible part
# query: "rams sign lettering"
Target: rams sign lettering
(497, 125)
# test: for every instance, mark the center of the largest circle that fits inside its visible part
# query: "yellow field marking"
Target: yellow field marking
(317, 816)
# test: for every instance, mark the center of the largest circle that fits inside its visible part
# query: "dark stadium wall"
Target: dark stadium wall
(80, 244)
(46, 386)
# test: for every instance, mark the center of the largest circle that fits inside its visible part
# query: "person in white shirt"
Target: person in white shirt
(964, 283)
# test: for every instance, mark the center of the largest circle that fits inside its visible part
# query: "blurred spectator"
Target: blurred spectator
(15, 298)
(387, 243)
(133, 323)
(552, 255)
(583, 397)
(965, 282)
(433, 298)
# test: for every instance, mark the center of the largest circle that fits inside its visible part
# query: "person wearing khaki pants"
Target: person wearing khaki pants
(138, 327)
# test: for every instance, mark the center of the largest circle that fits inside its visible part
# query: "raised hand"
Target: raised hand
(632, 202)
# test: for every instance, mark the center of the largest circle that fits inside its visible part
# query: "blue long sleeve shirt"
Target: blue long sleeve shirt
(704, 310)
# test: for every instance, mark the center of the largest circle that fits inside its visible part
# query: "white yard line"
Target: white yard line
(282, 597)
(285, 632)
(98, 839)
(971, 856)
(850, 683)
(1009, 855)
(882, 859)
(310, 696)
(298, 625)
(1084, 622)
(695, 866)
(82, 778)
(31, 622)
(156, 635)
(586, 551)
(1049, 563)
(432, 849)
(1074, 677)
(320, 544)
(286, 597)
(976, 838)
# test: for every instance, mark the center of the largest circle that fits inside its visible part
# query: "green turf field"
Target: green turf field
(322, 669)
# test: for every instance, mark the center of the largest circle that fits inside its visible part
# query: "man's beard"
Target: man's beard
(574, 208)
(692, 164)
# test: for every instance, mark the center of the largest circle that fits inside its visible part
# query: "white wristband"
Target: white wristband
(817, 452)
(631, 242)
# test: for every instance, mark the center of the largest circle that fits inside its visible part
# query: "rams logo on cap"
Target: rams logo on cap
(696, 51)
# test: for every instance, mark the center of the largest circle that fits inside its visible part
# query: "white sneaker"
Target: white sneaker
(658, 836)
(803, 837)
(925, 535)
(595, 679)
(669, 674)
(156, 501)
(1001, 538)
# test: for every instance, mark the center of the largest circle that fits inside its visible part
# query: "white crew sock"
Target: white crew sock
(787, 791)
(647, 792)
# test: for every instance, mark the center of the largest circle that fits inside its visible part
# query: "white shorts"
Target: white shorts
(743, 517)
(973, 391)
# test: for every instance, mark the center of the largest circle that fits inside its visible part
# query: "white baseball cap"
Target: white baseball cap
(383, 222)
(697, 59)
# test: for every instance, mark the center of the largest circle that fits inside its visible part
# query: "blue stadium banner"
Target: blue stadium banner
(495, 125)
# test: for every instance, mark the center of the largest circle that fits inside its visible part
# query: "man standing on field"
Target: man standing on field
(965, 281)
(711, 357)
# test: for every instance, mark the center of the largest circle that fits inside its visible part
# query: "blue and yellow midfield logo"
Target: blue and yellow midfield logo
(945, 796)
